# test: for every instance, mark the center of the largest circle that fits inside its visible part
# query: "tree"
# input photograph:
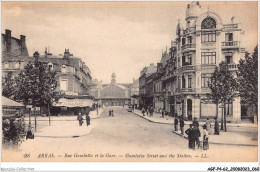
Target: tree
(223, 88)
(36, 85)
(248, 78)
(8, 86)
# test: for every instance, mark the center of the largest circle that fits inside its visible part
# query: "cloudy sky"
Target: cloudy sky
(120, 37)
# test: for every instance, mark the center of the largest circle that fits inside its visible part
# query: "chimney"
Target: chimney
(8, 40)
(23, 45)
(22, 39)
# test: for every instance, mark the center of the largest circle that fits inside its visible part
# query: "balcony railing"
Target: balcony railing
(188, 46)
(186, 90)
(186, 68)
(230, 43)
(229, 26)
(232, 67)
(208, 66)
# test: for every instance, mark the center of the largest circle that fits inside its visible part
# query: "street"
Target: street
(126, 137)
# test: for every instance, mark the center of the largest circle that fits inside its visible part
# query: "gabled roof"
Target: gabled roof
(6, 102)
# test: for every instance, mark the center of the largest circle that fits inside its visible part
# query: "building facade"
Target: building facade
(73, 75)
(113, 94)
(197, 50)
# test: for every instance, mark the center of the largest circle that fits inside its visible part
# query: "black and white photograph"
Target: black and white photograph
(142, 81)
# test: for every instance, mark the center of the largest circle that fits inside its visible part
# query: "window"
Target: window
(183, 61)
(208, 36)
(190, 39)
(228, 37)
(183, 81)
(208, 58)
(189, 81)
(64, 84)
(17, 65)
(6, 65)
(179, 83)
(208, 23)
(183, 41)
(179, 61)
(189, 59)
(205, 80)
(63, 69)
(229, 58)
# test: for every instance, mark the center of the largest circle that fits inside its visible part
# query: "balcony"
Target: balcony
(208, 66)
(230, 44)
(230, 26)
(187, 46)
(186, 68)
(232, 67)
(186, 90)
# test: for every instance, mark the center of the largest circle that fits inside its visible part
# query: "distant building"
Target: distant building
(113, 94)
(135, 93)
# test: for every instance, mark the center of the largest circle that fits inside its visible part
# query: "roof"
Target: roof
(6, 102)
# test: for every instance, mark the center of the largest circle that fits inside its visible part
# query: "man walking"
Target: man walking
(176, 123)
(190, 133)
(182, 126)
(197, 136)
(195, 122)
(80, 119)
(87, 120)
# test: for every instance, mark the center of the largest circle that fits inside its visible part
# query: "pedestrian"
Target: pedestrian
(182, 126)
(166, 115)
(205, 138)
(151, 112)
(109, 113)
(216, 127)
(112, 112)
(197, 136)
(208, 126)
(190, 133)
(87, 120)
(163, 111)
(147, 110)
(143, 111)
(133, 107)
(30, 133)
(80, 119)
(176, 124)
(195, 122)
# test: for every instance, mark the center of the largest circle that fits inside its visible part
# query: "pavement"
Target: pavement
(243, 134)
(63, 126)
(124, 137)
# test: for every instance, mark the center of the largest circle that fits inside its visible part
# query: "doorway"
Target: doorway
(189, 109)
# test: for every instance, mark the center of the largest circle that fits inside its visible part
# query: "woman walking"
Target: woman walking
(205, 138)
(208, 126)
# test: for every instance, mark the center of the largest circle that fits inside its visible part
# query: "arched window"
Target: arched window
(208, 23)
(50, 66)
(63, 69)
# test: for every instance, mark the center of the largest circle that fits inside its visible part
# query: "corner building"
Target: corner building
(194, 54)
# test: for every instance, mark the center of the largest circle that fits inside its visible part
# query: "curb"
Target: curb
(185, 137)
(74, 136)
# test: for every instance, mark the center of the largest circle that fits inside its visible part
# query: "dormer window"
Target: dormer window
(63, 69)
(50, 66)
(6, 65)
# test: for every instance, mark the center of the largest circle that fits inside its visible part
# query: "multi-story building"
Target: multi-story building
(195, 53)
(135, 92)
(143, 93)
(198, 48)
(73, 75)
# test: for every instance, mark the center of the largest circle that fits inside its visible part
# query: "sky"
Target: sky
(120, 37)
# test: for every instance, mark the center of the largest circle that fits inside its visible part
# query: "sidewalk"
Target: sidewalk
(64, 126)
(244, 134)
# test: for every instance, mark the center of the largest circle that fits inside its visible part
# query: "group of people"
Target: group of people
(194, 133)
(111, 113)
(149, 111)
(80, 119)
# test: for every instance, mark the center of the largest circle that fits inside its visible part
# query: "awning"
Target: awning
(63, 102)
(6, 102)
